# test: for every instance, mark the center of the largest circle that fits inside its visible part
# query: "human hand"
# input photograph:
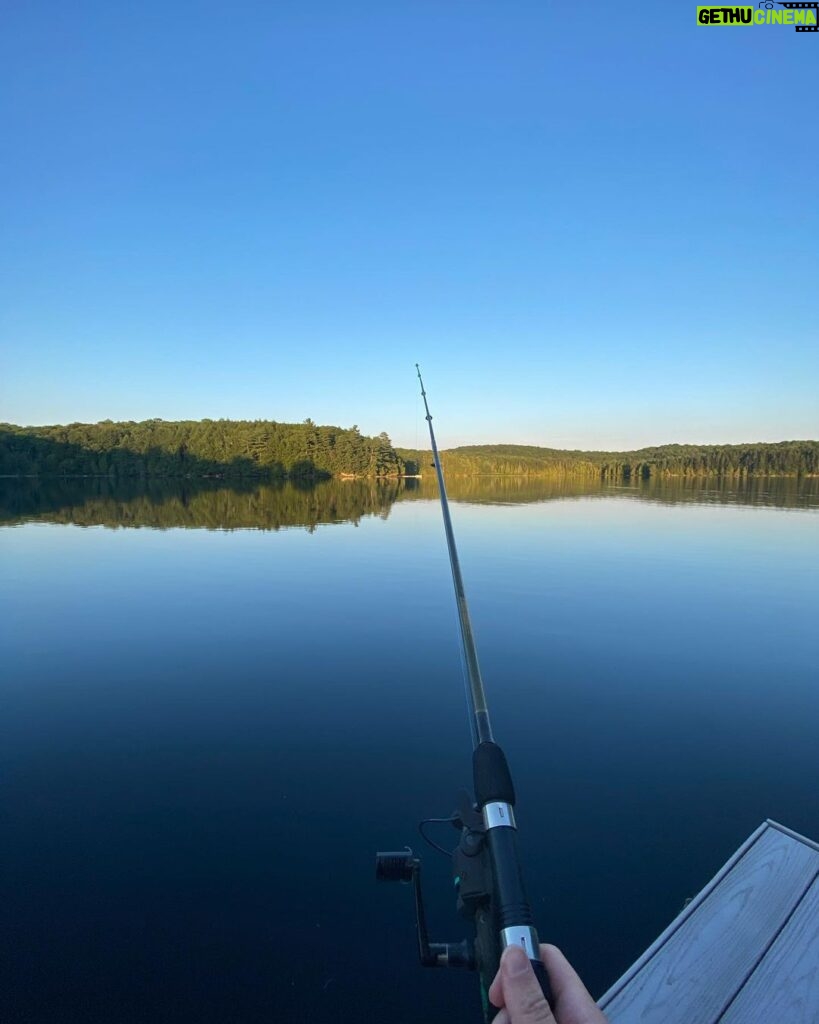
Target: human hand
(517, 991)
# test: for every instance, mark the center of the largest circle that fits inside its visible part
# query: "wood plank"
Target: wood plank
(785, 985)
(697, 971)
(796, 835)
(607, 998)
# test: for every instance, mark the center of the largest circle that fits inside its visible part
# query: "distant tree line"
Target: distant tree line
(276, 451)
(221, 448)
(784, 458)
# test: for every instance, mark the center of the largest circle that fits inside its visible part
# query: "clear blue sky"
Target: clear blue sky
(593, 224)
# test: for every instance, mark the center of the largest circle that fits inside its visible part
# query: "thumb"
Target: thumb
(522, 996)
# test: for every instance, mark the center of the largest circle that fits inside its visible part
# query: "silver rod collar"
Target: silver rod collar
(498, 815)
(523, 936)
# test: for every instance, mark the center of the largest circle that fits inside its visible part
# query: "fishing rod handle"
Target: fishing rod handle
(514, 914)
(495, 795)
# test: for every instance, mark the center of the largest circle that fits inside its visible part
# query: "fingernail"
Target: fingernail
(514, 962)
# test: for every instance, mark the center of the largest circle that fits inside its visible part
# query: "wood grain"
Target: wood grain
(693, 975)
(690, 908)
(785, 985)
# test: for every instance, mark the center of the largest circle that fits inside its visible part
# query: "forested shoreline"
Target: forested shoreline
(262, 449)
(782, 458)
(265, 449)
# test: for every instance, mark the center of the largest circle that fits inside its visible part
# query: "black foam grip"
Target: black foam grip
(491, 773)
(511, 903)
(543, 980)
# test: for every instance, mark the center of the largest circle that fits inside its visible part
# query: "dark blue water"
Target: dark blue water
(207, 733)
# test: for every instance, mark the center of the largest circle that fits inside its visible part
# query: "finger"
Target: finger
(522, 995)
(572, 1002)
(496, 991)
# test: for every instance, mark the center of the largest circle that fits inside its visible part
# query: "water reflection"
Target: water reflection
(213, 505)
(193, 504)
(775, 492)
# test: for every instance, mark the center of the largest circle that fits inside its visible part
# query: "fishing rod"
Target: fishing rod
(486, 866)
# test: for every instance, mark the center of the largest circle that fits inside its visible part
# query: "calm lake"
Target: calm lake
(218, 703)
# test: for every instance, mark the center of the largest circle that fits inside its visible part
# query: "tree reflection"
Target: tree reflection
(215, 505)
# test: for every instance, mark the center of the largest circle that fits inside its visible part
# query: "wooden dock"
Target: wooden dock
(745, 950)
